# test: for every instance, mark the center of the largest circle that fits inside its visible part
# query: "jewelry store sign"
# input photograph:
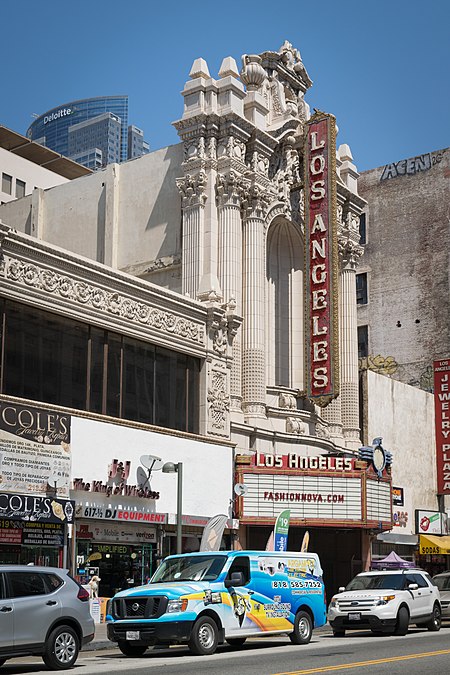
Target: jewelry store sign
(34, 449)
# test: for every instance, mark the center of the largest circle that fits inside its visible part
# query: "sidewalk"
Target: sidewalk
(100, 640)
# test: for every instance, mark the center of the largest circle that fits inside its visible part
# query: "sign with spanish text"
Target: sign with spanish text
(34, 449)
(321, 260)
(442, 421)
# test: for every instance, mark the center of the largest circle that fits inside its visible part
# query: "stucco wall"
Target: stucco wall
(404, 417)
(407, 259)
(30, 173)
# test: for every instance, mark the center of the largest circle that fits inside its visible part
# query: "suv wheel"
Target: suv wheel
(434, 623)
(61, 649)
(401, 627)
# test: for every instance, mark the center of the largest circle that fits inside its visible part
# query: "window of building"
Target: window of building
(65, 362)
(362, 228)
(363, 341)
(7, 183)
(361, 288)
(20, 188)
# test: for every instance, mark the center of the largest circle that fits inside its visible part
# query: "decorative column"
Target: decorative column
(193, 194)
(254, 283)
(349, 252)
(229, 198)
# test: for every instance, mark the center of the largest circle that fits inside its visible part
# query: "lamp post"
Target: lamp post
(170, 467)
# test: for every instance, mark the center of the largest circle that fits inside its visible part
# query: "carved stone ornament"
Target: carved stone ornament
(218, 401)
(230, 189)
(322, 429)
(256, 202)
(287, 401)
(295, 426)
(102, 300)
(193, 189)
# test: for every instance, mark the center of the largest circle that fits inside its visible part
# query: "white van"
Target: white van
(205, 599)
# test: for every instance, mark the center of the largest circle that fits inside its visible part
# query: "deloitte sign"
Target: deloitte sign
(62, 112)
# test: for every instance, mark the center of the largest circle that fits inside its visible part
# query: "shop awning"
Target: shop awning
(397, 538)
(434, 545)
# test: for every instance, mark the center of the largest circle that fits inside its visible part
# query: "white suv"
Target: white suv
(386, 602)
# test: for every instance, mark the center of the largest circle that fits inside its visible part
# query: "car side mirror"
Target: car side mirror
(341, 589)
(413, 587)
(237, 579)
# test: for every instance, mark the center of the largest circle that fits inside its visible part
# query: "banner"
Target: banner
(305, 542)
(442, 421)
(281, 531)
(321, 261)
(213, 532)
(34, 449)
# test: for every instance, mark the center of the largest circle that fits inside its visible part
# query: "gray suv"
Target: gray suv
(43, 611)
(442, 581)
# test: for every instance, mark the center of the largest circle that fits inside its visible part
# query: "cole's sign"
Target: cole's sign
(322, 366)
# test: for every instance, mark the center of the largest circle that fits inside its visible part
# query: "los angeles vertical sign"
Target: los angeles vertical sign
(321, 258)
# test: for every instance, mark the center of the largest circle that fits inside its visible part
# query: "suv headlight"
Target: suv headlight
(334, 602)
(384, 599)
(177, 605)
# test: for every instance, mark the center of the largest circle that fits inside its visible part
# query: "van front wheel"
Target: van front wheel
(204, 636)
(302, 632)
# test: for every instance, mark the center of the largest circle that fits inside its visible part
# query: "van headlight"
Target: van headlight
(177, 605)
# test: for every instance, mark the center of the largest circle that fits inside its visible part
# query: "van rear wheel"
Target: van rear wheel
(204, 636)
(302, 632)
(236, 642)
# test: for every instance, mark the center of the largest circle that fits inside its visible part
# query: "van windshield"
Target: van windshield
(189, 568)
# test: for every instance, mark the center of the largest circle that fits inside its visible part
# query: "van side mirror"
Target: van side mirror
(237, 579)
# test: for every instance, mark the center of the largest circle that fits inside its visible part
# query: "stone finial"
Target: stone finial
(252, 73)
(199, 69)
(344, 153)
(229, 68)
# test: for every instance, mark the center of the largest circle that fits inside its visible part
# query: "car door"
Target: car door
(420, 598)
(6, 617)
(34, 607)
(426, 593)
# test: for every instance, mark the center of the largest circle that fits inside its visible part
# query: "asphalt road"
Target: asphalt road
(359, 653)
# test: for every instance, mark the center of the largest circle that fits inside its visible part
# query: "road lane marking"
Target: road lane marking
(360, 664)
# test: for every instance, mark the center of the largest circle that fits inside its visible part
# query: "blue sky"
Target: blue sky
(380, 66)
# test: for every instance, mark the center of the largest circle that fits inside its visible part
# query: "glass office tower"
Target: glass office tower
(52, 127)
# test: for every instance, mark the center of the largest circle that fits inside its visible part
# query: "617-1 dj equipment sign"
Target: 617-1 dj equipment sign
(321, 256)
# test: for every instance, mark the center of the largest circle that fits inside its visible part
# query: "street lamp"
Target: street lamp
(170, 467)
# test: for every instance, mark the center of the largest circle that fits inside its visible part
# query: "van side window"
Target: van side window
(240, 564)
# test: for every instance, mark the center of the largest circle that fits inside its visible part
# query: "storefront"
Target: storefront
(35, 510)
(434, 542)
(341, 502)
(34, 529)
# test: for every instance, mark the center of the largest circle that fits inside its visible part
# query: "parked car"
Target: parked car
(386, 601)
(442, 581)
(43, 611)
(208, 598)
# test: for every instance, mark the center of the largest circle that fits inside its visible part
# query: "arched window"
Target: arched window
(284, 305)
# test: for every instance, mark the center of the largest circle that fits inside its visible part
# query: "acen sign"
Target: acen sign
(322, 365)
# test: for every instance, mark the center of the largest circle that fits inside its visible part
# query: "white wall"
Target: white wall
(207, 467)
(32, 174)
(404, 417)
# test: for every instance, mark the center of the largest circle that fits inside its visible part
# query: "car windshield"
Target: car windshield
(189, 568)
(443, 583)
(362, 582)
